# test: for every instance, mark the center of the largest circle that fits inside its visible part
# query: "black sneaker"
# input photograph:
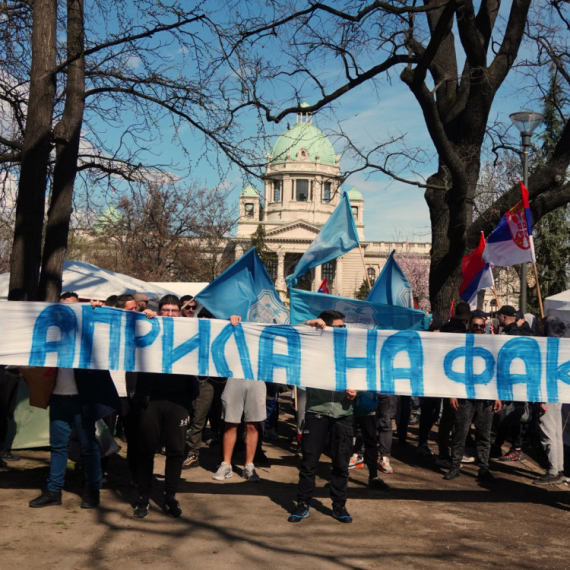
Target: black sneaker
(141, 509)
(549, 479)
(486, 476)
(191, 461)
(46, 499)
(341, 514)
(378, 483)
(7, 456)
(3, 463)
(452, 474)
(171, 507)
(90, 499)
(300, 512)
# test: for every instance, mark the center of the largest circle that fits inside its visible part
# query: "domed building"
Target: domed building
(301, 190)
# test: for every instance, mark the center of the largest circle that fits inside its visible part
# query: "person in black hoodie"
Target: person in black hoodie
(163, 401)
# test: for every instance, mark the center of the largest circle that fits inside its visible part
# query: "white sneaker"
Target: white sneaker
(250, 474)
(467, 459)
(356, 461)
(385, 465)
(224, 472)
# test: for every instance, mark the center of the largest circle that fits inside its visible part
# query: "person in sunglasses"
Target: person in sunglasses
(480, 412)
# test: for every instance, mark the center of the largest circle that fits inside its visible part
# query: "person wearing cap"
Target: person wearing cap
(142, 302)
(514, 416)
(480, 412)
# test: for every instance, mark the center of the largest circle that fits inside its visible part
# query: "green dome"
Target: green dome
(249, 192)
(354, 194)
(307, 136)
(108, 217)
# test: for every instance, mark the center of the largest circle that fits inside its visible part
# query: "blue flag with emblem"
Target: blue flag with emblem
(358, 314)
(337, 237)
(392, 286)
(245, 289)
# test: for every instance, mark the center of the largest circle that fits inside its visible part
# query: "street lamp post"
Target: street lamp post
(526, 122)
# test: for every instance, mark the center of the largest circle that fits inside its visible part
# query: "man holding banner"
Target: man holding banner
(327, 412)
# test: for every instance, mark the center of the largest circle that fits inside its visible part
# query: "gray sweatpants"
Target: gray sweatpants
(550, 425)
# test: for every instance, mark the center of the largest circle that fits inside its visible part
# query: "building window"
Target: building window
(249, 210)
(326, 193)
(371, 275)
(271, 266)
(302, 188)
(327, 270)
(277, 190)
(355, 212)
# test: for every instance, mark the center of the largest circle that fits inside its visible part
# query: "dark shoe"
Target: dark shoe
(512, 455)
(141, 509)
(172, 507)
(3, 463)
(7, 456)
(452, 474)
(260, 458)
(549, 479)
(378, 483)
(300, 512)
(442, 461)
(485, 476)
(191, 461)
(46, 499)
(90, 499)
(495, 452)
(341, 514)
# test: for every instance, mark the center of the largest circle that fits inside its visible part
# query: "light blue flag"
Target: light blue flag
(392, 287)
(245, 289)
(358, 314)
(337, 237)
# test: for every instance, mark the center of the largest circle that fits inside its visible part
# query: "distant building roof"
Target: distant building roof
(307, 136)
(354, 194)
(249, 192)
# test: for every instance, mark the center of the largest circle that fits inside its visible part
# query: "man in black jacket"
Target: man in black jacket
(163, 401)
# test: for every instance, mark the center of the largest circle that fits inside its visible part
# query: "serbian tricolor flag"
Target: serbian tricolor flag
(323, 288)
(511, 243)
(476, 274)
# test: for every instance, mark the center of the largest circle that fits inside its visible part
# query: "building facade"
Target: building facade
(301, 190)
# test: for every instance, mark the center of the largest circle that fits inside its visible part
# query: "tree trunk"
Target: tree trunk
(67, 137)
(30, 204)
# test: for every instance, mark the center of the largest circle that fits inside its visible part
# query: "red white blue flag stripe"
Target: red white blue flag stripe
(511, 242)
(476, 274)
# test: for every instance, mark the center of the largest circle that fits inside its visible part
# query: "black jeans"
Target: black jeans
(162, 422)
(8, 401)
(387, 406)
(480, 412)
(430, 412)
(367, 425)
(313, 441)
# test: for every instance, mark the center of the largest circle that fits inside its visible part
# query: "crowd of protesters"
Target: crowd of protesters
(168, 413)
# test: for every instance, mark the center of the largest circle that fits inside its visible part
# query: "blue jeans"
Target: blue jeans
(64, 415)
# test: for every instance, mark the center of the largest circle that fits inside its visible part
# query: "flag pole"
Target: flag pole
(496, 297)
(364, 265)
(538, 291)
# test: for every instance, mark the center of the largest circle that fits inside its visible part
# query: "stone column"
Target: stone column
(338, 277)
(318, 278)
(280, 284)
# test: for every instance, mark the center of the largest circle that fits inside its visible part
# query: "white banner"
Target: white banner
(392, 362)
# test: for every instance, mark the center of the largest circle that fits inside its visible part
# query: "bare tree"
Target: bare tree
(165, 232)
(99, 105)
(453, 55)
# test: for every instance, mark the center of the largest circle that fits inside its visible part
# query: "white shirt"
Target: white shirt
(65, 384)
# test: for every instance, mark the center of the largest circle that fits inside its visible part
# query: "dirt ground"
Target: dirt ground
(423, 522)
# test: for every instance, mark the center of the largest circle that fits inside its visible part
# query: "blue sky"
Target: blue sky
(392, 210)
